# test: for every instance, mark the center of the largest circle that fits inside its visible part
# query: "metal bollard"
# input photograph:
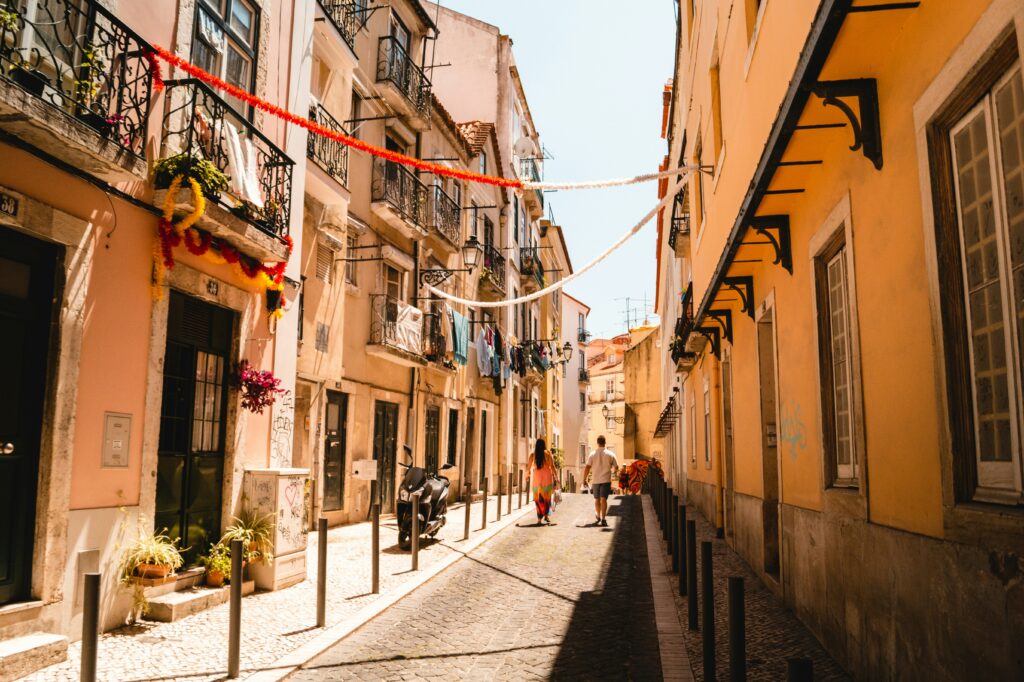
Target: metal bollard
(691, 574)
(681, 539)
(670, 526)
(235, 614)
(90, 626)
(415, 531)
(483, 527)
(799, 670)
(498, 513)
(737, 631)
(508, 492)
(708, 625)
(375, 573)
(677, 549)
(321, 573)
(520, 489)
(469, 509)
(664, 517)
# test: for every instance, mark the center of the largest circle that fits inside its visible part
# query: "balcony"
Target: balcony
(679, 227)
(346, 18)
(584, 376)
(330, 155)
(493, 278)
(404, 85)
(396, 331)
(583, 336)
(530, 171)
(253, 214)
(445, 218)
(399, 198)
(433, 341)
(531, 270)
(75, 84)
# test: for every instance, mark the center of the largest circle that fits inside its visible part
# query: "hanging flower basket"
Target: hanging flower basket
(259, 387)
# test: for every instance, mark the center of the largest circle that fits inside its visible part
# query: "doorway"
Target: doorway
(334, 450)
(769, 440)
(727, 492)
(190, 457)
(27, 278)
(385, 445)
(467, 455)
(433, 440)
(483, 448)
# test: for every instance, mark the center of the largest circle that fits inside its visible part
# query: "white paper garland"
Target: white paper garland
(598, 184)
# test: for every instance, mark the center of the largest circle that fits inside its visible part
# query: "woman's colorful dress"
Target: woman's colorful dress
(543, 484)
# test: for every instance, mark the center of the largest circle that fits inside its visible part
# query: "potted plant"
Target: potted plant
(87, 87)
(210, 178)
(150, 556)
(256, 533)
(30, 78)
(259, 387)
(218, 565)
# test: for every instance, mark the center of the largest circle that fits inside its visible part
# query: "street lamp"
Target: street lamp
(470, 258)
(567, 351)
(610, 418)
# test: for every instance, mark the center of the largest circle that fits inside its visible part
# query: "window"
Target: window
(700, 181)
(583, 359)
(224, 42)
(355, 115)
(483, 162)
(400, 33)
(474, 216)
(707, 426)
(836, 363)
(581, 323)
(583, 402)
(716, 108)
(302, 307)
(453, 435)
(515, 219)
(351, 245)
(753, 8)
(393, 282)
(324, 263)
(583, 454)
(693, 432)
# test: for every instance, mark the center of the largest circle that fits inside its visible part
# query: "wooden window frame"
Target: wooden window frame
(952, 307)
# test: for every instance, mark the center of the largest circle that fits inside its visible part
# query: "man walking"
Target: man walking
(603, 464)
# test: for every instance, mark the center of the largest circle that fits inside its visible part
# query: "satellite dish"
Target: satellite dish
(524, 147)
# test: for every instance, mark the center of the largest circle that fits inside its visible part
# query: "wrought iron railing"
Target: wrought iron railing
(530, 265)
(529, 170)
(399, 187)
(433, 340)
(329, 154)
(346, 17)
(583, 336)
(395, 66)
(76, 56)
(584, 376)
(494, 267)
(444, 215)
(388, 328)
(199, 123)
(684, 325)
(680, 223)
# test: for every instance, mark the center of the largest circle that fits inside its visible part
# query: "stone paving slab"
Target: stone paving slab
(274, 624)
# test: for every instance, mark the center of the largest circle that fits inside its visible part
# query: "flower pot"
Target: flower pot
(214, 578)
(152, 570)
(97, 122)
(273, 303)
(30, 79)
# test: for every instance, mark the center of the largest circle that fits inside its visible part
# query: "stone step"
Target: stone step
(24, 655)
(171, 607)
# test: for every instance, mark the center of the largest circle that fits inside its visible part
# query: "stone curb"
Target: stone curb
(286, 665)
(675, 661)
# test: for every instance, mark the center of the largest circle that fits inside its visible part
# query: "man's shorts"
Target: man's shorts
(601, 490)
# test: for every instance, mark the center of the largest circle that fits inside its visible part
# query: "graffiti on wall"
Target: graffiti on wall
(281, 431)
(791, 431)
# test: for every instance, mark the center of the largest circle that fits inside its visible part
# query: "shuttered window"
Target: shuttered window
(324, 263)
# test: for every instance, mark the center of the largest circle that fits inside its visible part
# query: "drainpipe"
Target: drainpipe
(412, 431)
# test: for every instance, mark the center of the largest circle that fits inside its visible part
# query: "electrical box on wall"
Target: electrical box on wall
(117, 431)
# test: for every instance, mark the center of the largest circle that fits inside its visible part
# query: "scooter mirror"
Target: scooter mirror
(447, 466)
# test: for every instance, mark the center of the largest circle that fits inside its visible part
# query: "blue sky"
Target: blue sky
(594, 72)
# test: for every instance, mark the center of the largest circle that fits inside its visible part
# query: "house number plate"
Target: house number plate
(8, 205)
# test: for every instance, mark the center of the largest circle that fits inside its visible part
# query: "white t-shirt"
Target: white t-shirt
(601, 462)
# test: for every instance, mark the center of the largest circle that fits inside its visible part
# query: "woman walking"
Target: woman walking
(542, 479)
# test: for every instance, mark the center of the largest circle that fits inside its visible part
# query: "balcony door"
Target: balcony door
(385, 445)
(433, 439)
(190, 462)
(27, 269)
(769, 441)
(334, 451)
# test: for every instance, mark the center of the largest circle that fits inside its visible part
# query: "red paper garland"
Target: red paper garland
(320, 130)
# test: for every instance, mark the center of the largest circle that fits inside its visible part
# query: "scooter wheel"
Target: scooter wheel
(404, 540)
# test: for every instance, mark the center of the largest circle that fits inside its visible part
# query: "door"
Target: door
(334, 451)
(27, 270)
(433, 439)
(483, 448)
(385, 444)
(727, 493)
(467, 454)
(190, 461)
(453, 434)
(769, 441)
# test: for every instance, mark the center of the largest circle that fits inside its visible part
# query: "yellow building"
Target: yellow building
(841, 297)
(606, 401)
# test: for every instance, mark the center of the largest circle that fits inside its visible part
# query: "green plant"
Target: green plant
(149, 548)
(8, 20)
(255, 532)
(210, 178)
(558, 458)
(218, 560)
(92, 69)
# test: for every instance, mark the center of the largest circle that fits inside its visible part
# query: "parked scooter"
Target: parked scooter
(433, 489)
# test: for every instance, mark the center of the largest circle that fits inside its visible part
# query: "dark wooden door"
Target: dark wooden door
(453, 435)
(433, 439)
(190, 462)
(334, 451)
(385, 444)
(483, 447)
(27, 271)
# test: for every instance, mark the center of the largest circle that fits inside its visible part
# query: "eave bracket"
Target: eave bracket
(714, 337)
(867, 131)
(744, 287)
(724, 318)
(764, 225)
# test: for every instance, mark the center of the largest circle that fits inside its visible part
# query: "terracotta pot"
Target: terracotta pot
(214, 578)
(152, 570)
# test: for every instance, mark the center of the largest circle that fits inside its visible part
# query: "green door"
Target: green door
(27, 270)
(190, 468)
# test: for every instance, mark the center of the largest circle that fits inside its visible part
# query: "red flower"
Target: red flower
(259, 387)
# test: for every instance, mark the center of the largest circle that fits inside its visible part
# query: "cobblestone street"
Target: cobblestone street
(273, 623)
(571, 601)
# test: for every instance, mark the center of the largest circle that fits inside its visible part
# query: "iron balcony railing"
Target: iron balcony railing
(529, 170)
(684, 325)
(494, 264)
(199, 123)
(433, 340)
(329, 154)
(391, 326)
(76, 56)
(680, 223)
(583, 336)
(346, 17)
(395, 66)
(584, 376)
(444, 215)
(399, 187)
(530, 265)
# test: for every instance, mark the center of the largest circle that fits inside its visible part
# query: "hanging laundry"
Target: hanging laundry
(484, 353)
(460, 334)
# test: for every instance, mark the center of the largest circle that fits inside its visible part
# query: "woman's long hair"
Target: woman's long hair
(538, 453)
